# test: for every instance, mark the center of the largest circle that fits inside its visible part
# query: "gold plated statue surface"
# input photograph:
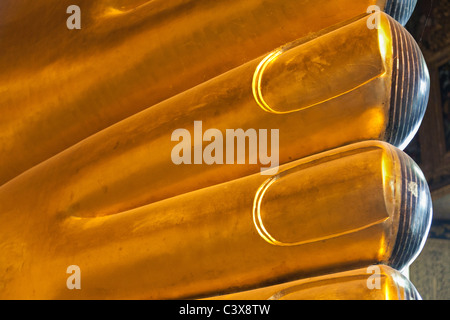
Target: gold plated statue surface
(350, 207)
(372, 283)
(200, 149)
(65, 85)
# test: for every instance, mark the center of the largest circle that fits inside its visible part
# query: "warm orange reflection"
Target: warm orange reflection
(59, 86)
(384, 283)
(331, 209)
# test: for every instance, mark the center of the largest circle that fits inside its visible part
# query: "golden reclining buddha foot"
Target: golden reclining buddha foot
(59, 86)
(116, 204)
(348, 208)
(130, 164)
(372, 283)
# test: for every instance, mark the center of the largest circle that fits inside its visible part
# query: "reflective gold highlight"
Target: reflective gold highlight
(349, 285)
